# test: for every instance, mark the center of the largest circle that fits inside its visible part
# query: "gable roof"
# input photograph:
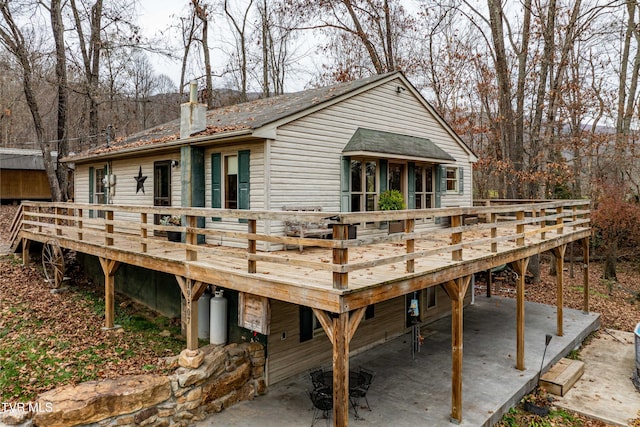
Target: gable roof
(233, 120)
(251, 119)
(388, 143)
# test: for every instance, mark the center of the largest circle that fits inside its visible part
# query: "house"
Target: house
(238, 175)
(333, 148)
(22, 175)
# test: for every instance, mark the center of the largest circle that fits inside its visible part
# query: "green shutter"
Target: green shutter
(243, 180)
(441, 186)
(345, 191)
(384, 181)
(461, 180)
(216, 182)
(411, 187)
(92, 179)
(306, 323)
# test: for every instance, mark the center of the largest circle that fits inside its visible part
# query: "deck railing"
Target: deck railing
(487, 227)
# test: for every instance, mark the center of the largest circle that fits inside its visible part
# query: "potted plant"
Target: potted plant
(392, 200)
(176, 221)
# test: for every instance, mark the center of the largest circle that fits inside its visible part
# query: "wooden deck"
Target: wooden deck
(336, 275)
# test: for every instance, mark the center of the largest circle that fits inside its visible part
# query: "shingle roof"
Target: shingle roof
(375, 141)
(249, 115)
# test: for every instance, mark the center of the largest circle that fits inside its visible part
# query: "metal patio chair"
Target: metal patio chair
(322, 404)
(359, 391)
(317, 378)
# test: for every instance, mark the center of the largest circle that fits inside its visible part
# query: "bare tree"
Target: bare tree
(14, 40)
(241, 33)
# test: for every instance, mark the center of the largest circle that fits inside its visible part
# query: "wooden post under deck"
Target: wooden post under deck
(456, 289)
(109, 268)
(585, 274)
(559, 254)
(191, 291)
(340, 331)
(520, 267)
(26, 243)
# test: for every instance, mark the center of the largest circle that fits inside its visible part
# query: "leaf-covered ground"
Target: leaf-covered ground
(48, 340)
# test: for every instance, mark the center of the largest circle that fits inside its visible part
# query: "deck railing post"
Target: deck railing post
(520, 228)
(191, 238)
(251, 246)
(108, 227)
(409, 226)
(574, 217)
(456, 237)
(58, 221)
(340, 256)
(559, 220)
(80, 224)
(493, 217)
(39, 211)
(543, 223)
(143, 232)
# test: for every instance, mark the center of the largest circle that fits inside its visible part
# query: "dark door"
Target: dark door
(161, 186)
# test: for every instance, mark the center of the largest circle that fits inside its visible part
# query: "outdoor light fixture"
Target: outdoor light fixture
(400, 89)
(175, 163)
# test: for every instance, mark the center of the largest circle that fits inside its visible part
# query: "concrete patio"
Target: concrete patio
(417, 392)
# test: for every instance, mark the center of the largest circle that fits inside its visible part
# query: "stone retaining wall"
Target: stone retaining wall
(204, 381)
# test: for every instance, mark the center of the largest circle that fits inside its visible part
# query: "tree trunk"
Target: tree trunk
(610, 261)
(15, 43)
(57, 26)
(534, 268)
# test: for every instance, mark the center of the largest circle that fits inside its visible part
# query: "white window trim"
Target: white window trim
(456, 180)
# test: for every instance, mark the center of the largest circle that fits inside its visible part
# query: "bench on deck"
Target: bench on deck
(304, 229)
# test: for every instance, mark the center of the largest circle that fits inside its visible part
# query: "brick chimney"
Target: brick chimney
(193, 116)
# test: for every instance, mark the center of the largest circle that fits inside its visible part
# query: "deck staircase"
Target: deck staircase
(16, 226)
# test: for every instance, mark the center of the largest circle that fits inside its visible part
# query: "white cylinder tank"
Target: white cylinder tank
(203, 316)
(218, 315)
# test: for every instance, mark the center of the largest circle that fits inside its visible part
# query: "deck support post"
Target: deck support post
(585, 274)
(559, 254)
(456, 289)
(520, 267)
(340, 329)
(26, 244)
(191, 291)
(109, 268)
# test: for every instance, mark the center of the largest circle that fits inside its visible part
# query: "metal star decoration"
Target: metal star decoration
(140, 181)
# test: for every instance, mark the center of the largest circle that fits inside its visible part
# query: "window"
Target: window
(100, 196)
(424, 186)
(452, 179)
(363, 185)
(97, 189)
(231, 182)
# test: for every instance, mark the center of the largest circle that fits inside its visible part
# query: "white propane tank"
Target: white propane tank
(203, 315)
(218, 314)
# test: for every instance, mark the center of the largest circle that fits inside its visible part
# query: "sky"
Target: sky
(158, 15)
(155, 16)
